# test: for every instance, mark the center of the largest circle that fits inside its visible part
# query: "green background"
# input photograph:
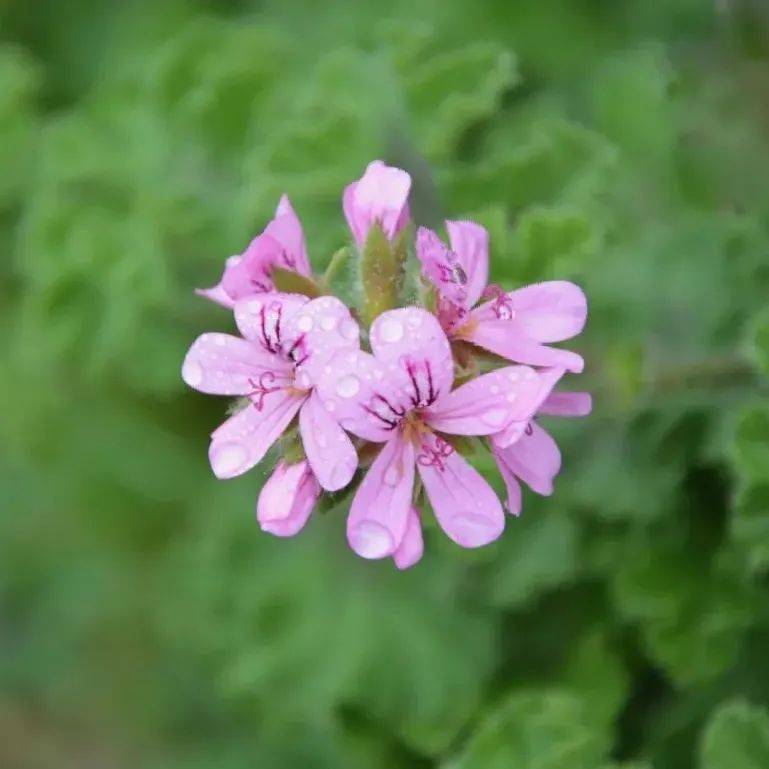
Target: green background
(145, 621)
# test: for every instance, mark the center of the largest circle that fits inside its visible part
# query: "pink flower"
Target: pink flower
(401, 396)
(380, 196)
(287, 499)
(280, 245)
(527, 452)
(517, 325)
(288, 342)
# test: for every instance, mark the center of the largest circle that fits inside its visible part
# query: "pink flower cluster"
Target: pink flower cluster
(387, 410)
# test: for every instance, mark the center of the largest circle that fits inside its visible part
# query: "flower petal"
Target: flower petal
(286, 229)
(489, 403)
(566, 404)
(411, 340)
(550, 311)
(329, 451)
(322, 327)
(379, 512)
(470, 242)
(443, 268)
(245, 438)
(513, 502)
(287, 499)
(466, 507)
(506, 338)
(221, 364)
(411, 547)
(534, 458)
(265, 319)
(217, 293)
(362, 394)
(380, 196)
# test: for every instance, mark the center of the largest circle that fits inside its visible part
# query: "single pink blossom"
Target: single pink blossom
(525, 451)
(288, 341)
(281, 244)
(287, 499)
(380, 196)
(401, 396)
(517, 325)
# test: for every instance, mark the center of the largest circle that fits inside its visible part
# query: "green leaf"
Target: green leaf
(538, 729)
(751, 443)
(737, 737)
(750, 525)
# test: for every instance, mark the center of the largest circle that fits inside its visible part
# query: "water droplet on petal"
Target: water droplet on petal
(370, 540)
(303, 380)
(350, 330)
(513, 376)
(321, 440)
(304, 323)
(220, 341)
(192, 373)
(471, 529)
(511, 397)
(254, 306)
(348, 386)
(391, 330)
(495, 417)
(227, 459)
(392, 476)
(328, 322)
(494, 389)
(330, 405)
(414, 321)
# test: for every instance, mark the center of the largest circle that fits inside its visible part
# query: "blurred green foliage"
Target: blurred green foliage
(146, 621)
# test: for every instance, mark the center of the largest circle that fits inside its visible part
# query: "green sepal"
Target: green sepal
(291, 448)
(290, 282)
(381, 272)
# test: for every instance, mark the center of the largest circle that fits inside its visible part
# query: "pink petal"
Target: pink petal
(329, 451)
(565, 404)
(221, 364)
(551, 311)
(513, 502)
(217, 293)
(244, 439)
(470, 242)
(465, 505)
(379, 512)
(324, 326)
(379, 196)
(360, 392)
(489, 403)
(286, 229)
(506, 338)
(287, 499)
(265, 318)
(443, 268)
(253, 273)
(549, 378)
(534, 458)
(411, 547)
(411, 340)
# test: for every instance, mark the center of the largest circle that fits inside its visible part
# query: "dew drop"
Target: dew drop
(391, 331)
(350, 330)
(348, 386)
(495, 417)
(391, 476)
(192, 373)
(228, 458)
(304, 323)
(254, 306)
(370, 539)
(328, 322)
